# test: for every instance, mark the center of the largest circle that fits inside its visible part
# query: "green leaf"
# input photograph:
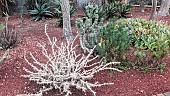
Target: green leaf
(2, 27)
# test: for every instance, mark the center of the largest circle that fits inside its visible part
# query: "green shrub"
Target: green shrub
(115, 42)
(41, 11)
(149, 37)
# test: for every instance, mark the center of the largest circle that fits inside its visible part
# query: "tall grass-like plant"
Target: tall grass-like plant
(4, 6)
(65, 69)
(8, 38)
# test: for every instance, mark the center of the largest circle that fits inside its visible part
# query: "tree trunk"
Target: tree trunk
(164, 10)
(153, 13)
(65, 7)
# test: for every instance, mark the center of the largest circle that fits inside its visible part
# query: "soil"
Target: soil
(127, 83)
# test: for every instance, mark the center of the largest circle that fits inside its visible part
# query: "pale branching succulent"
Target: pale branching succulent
(65, 69)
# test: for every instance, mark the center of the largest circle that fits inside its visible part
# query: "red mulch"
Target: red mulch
(127, 83)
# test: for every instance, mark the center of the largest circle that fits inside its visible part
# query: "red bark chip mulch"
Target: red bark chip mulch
(127, 83)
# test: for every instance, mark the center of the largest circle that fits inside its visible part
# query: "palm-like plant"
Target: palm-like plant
(41, 11)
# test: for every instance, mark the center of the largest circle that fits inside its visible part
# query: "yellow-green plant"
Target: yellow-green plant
(149, 37)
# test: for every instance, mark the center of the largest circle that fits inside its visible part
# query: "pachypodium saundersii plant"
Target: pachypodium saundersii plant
(65, 69)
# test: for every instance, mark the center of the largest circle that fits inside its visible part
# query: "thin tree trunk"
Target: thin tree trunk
(164, 10)
(153, 13)
(65, 7)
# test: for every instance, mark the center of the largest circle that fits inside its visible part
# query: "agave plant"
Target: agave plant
(30, 4)
(41, 11)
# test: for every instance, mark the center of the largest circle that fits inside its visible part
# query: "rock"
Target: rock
(160, 95)
(167, 94)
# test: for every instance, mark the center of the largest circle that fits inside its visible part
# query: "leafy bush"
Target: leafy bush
(40, 12)
(8, 39)
(115, 42)
(149, 38)
(64, 68)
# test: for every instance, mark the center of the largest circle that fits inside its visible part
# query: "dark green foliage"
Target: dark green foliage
(111, 10)
(124, 10)
(40, 12)
(31, 4)
(91, 10)
(115, 42)
(144, 69)
(118, 9)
